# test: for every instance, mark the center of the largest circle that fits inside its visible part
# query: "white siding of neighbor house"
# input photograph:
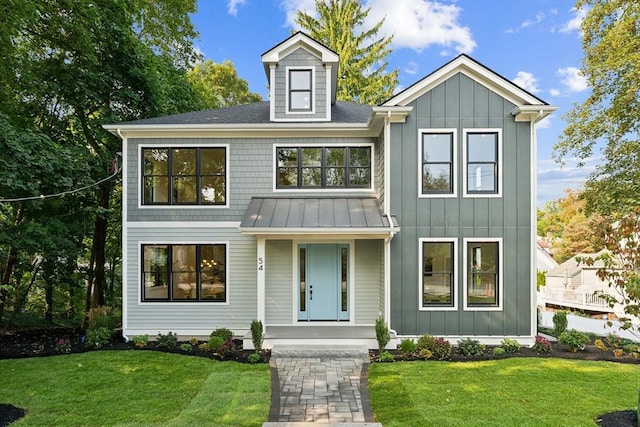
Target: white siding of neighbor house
(279, 282)
(368, 281)
(192, 318)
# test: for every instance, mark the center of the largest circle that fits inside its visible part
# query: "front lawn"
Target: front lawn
(135, 388)
(510, 392)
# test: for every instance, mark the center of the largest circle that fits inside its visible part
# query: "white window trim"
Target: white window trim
(313, 90)
(274, 172)
(181, 303)
(454, 290)
(499, 182)
(186, 145)
(454, 177)
(500, 272)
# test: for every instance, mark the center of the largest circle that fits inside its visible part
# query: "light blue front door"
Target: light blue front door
(323, 282)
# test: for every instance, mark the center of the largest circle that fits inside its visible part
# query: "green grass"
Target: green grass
(511, 392)
(135, 388)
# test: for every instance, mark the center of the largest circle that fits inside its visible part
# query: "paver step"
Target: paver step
(315, 350)
(306, 424)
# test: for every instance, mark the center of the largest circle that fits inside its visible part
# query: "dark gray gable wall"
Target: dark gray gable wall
(462, 103)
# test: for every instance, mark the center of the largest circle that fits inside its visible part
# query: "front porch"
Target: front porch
(318, 338)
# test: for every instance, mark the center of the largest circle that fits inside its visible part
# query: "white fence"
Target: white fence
(596, 326)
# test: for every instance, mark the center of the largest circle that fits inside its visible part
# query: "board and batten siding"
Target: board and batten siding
(251, 172)
(462, 103)
(192, 318)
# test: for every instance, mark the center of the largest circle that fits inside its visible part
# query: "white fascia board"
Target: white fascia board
(474, 71)
(532, 113)
(296, 41)
(396, 114)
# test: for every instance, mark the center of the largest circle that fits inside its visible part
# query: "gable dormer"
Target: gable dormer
(302, 77)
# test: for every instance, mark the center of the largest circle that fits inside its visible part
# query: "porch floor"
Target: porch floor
(320, 332)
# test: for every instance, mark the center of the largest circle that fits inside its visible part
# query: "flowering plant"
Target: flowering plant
(542, 345)
(63, 345)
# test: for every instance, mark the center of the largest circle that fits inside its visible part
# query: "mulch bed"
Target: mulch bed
(43, 342)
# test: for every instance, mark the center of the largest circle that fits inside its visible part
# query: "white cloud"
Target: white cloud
(411, 68)
(527, 81)
(232, 6)
(574, 23)
(554, 179)
(572, 79)
(554, 92)
(544, 123)
(528, 23)
(418, 24)
(414, 24)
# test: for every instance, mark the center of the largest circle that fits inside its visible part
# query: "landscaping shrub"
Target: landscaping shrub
(510, 346)
(140, 341)
(441, 349)
(386, 356)
(382, 334)
(253, 358)
(542, 345)
(470, 347)
(103, 317)
(257, 335)
(560, 322)
(425, 354)
(600, 345)
(498, 351)
(227, 349)
(98, 338)
(63, 345)
(575, 340)
(407, 346)
(223, 333)
(613, 340)
(215, 342)
(167, 341)
(185, 346)
(193, 341)
(426, 341)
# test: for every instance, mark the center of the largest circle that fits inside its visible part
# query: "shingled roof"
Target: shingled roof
(254, 113)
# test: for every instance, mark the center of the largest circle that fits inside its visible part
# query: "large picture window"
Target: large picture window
(184, 176)
(300, 84)
(482, 149)
(483, 281)
(437, 158)
(438, 268)
(323, 167)
(184, 273)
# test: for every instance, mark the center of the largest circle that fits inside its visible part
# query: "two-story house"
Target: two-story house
(318, 216)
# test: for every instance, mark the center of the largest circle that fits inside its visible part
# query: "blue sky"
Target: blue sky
(535, 43)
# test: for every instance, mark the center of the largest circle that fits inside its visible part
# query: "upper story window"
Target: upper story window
(300, 90)
(323, 167)
(184, 176)
(437, 161)
(483, 157)
(184, 272)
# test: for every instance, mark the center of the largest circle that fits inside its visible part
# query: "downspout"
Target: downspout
(124, 235)
(534, 219)
(387, 211)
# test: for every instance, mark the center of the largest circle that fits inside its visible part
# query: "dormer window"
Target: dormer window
(300, 90)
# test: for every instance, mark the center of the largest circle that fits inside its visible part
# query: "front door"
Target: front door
(323, 282)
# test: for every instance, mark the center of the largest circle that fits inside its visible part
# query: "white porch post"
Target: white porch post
(261, 266)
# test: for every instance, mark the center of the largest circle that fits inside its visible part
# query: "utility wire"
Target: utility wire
(48, 196)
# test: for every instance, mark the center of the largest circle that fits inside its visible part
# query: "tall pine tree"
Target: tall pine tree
(363, 77)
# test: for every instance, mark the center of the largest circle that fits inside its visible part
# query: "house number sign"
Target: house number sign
(260, 264)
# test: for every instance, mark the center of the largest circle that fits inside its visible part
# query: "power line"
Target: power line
(48, 196)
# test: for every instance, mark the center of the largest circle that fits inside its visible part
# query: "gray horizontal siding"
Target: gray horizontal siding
(279, 282)
(179, 317)
(462, 103)
(368, 281)
(251, 173)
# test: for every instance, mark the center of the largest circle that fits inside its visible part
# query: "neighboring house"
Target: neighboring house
(571, 285)
(317, 216)
(544, 260)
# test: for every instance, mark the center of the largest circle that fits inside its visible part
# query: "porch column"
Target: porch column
(261, 293)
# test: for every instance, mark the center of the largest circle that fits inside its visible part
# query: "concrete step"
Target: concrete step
(308, 424)
(315, 350)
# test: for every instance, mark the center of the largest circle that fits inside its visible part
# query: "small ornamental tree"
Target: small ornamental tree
(621, 266)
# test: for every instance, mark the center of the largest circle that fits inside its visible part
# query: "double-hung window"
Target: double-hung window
(483, 266)
(323, 167)
(184, 176)
(300, 93)
(437, 161)
(175, 272)
(483, 154)
(438, 274)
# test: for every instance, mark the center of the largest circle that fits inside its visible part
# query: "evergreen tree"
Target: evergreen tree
(362, 67)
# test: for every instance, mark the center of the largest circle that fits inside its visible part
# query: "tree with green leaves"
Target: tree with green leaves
(362, 68)
(610, 116)
(219, 85)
